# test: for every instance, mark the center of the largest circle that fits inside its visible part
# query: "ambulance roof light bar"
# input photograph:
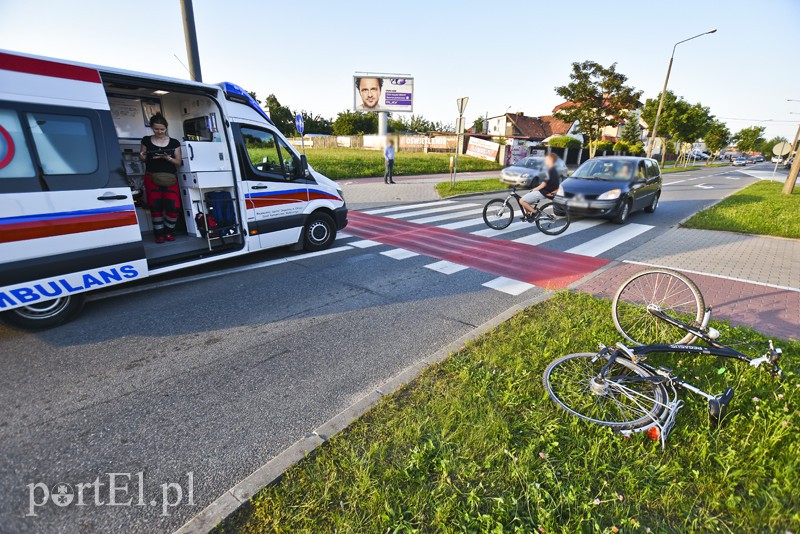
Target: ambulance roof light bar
(237, 94)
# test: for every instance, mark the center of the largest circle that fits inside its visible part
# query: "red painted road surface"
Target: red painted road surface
(769, 310)
(525, 263)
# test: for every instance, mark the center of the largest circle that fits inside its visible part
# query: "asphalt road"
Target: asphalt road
(215, 376)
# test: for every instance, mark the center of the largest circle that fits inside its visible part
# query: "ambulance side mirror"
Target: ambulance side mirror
(301, 170)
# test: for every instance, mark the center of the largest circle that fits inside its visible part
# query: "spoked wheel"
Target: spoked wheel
(498, 214)
(671, 292)
(627, 398)
(552, 219)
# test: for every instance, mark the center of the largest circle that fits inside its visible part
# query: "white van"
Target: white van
(73, 217)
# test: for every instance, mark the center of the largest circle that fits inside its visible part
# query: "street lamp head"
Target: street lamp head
(712, 31)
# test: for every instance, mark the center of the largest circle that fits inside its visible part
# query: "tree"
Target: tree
(631, 133)
(355, 123)
(280, 115)
(477, 125)
(747, 139)
(673, 108)
(316, 124)
(597, 97)
(717, 137)
(765, 147)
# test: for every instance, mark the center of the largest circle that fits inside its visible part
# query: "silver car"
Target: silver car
(528, 171)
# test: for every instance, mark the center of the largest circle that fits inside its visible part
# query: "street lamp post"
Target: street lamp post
(664, 92)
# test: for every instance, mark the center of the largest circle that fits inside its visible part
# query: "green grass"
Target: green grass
(475, 445)
(446, 189)
(667, 170)
(760, 208)
(340, 163)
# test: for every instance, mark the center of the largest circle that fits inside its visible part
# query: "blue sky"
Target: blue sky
(500, 54)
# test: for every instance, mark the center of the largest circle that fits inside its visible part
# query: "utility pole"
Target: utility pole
(191, 40)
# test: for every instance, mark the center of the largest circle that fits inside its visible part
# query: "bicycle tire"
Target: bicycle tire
(606, 402)
(498, 214)
(551, 223)
(675, 294)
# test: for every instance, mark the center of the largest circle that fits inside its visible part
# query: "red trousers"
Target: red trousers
(165, 205)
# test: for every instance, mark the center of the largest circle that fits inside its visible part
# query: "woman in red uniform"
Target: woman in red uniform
(162, 155)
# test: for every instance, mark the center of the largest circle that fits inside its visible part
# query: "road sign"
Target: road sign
(298, 124)
(782, 148)
(462, 104)
(460, 125)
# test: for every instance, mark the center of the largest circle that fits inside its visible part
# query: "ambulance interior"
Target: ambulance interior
(209, 221)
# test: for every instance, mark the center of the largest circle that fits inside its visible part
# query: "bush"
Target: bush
(604, 146)
(636, 149)
(621, 146)
(564, 141)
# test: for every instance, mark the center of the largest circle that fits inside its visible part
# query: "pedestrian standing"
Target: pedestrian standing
(388, 155)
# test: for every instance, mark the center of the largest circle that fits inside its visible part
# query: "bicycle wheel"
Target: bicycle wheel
(552, 219)
(673, 293)
(626, 399)
(498, 213)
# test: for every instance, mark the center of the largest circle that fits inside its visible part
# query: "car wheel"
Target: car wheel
(319, 232)
(624, 212)
(654, 204)
(46, 314)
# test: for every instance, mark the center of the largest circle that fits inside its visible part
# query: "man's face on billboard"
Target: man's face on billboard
(370, 91)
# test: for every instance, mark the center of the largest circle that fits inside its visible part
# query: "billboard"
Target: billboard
(383, 93)
(480, 148)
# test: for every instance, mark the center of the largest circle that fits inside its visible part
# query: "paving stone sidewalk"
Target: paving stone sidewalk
(749, 280)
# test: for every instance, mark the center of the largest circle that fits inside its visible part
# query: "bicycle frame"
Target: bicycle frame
(717, 403)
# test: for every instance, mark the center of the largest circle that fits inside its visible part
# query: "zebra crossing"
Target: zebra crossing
(454, 234)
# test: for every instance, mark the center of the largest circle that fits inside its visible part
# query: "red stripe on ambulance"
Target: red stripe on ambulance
(43, 67)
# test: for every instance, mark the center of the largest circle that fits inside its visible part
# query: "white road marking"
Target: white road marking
(446, 267)
(723, 277)
(508, 285)
(539, 237)
(704, 186)
(598, 245)
(428, 211)
(218, 273)
(513, 227)
(462, 224)
(446, 216)
(365, 243)
(407, 207)
(399, 253)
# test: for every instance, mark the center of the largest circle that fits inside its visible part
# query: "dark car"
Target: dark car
(612, 187)
(528, 171)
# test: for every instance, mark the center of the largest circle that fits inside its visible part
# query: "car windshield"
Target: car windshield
(530, 163)
(606, 169)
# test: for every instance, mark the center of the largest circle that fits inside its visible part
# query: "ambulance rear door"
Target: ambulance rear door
(67, 219)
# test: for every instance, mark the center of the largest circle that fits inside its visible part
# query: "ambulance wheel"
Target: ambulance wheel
(45, 314)
(319, 232)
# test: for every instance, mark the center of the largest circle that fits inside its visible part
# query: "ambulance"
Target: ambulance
(73, 213)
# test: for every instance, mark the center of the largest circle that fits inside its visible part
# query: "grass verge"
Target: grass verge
(667, 170)
(446, 189)
(339, 163)
(475, 445)
(759, 208)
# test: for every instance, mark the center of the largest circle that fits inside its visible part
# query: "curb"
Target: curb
(227, 503)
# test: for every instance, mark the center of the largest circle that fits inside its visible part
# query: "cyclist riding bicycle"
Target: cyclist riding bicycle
(547, 187)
